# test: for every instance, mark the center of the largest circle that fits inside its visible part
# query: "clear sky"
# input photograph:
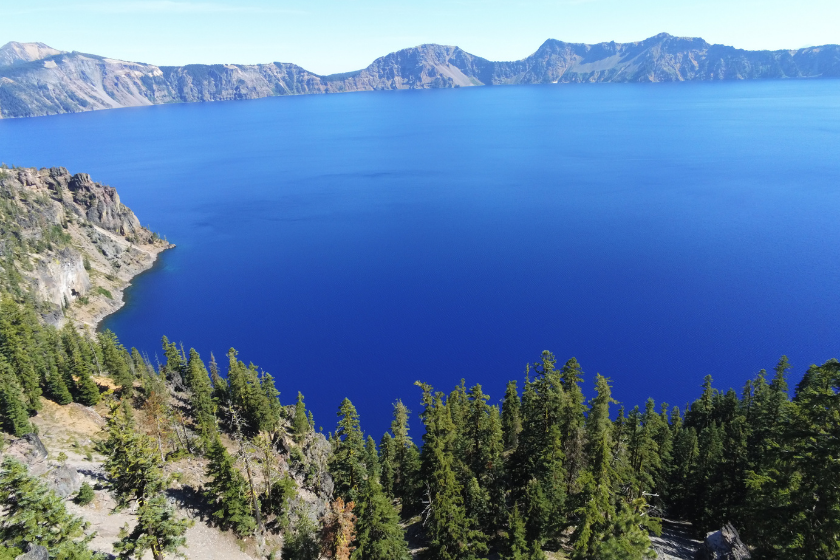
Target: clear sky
(326, 36)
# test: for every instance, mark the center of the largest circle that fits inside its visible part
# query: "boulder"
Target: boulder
(34, 552)
(723, 545)
(30, 451)
(64, 480)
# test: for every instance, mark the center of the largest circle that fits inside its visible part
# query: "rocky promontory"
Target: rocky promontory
(69, 244)
(37, 80)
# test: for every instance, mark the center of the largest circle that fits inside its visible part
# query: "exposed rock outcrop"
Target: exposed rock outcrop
(72, 244)
(723, 545)
(30, 451)
(34, 552)
(64, 480)
(36, 82)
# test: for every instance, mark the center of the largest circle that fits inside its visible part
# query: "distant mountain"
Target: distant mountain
(19, 53)
(38, 80)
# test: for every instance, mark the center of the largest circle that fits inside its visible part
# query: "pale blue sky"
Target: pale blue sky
(327, 36)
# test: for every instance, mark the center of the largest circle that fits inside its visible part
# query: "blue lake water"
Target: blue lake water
(353, 244)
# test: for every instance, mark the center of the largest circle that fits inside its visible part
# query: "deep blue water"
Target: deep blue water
(352, 244)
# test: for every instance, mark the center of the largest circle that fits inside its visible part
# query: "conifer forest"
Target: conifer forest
(547, 474)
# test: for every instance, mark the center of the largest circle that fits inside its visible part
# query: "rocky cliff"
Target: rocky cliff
(69, 243)
(37, 80)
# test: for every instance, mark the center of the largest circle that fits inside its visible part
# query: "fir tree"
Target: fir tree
(133, 467)
(516, 547)
(12, 404)
(348, 463)
(450, 532)
(203, 407)
(379, 535)
(33, 513)
(387, 460)
(511, 416)
(56, 386)
(158, 530)
(113, 358)
(227, 492)
(300, 425)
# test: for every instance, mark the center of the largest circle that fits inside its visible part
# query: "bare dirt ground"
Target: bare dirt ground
(74, 430)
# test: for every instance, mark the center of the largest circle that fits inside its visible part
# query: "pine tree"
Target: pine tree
(133, 467)
(300, 425)
(203, 407)
(33, 513)
(227, 492)
(12, 403)
(511, 416)
(516, 545)
(348, 463)
(387, 460)
(607, 527)
(157, 530)
(272, 396)
(450, 532)
(379, 535)
(372, 459)
(56, 386)
(302, 543)
(406, 460)
(113, 358)
(16, 345)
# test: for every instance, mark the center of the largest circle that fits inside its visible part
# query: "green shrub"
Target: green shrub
(85, 495)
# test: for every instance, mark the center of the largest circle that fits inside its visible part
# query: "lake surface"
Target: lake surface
(353, 244)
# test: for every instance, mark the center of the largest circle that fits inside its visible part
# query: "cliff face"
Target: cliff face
(69, 243)
(37, 80)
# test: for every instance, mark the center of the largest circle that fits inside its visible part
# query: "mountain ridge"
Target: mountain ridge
(37, 80)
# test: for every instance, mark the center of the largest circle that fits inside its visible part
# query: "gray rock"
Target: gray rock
(34, 552)
(723, 545)
(64, 480)
(30, 451)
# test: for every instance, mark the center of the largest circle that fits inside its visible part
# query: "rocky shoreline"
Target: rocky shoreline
(73, 246)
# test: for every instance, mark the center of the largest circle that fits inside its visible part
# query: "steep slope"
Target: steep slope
(69, 243)
(36, 82)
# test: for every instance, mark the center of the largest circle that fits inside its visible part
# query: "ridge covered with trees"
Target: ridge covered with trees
(548, 470)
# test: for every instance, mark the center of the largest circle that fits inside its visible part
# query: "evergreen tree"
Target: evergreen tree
(607, 527)
(379, 535)
(516, 545)
(33, 513)
(511, 416)
(794, 496)
(227, 492)
(113, 358)
(348, 463)
(302, 542)
(133, 466)
(450, 532)
(387, 460)
(56, 386)
(16, 345)
(203, 407)
(406, 485)
(300, 425)
(372, 459)
(12, 403)
(157, 530)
